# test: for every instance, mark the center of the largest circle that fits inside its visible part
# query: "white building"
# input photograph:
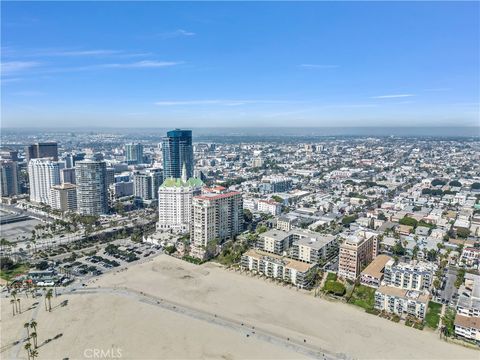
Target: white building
(43, 173)
(269, 207)
(175, 204)
(147, 183)
(413, 276)
(92, 191)
(401, 302)
(277, 267)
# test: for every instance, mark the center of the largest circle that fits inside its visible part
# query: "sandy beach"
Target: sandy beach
(167, 308)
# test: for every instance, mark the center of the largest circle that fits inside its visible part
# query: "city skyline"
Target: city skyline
(238, 64)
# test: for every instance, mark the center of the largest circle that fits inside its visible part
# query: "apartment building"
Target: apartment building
(356, 251)
(92, 191)
(9, 184)
(468, 327)
(43, 173)
(284, 223)
(468, 303)
(275, 241)
(417, 275)
(64, 197)
(269, 207)
(175, 198)
(312, 247)
(277, 267)
(471, 257)
(275, 184)
(217, 216)
(401, 302)
(373, 274)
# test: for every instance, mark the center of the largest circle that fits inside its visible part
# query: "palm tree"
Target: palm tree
(34, 337)
(19, 308)
(28, 347)
(27, 326)
(13, 306)
(34, 354)
(45, 298)
(33, 325)
(49, 297)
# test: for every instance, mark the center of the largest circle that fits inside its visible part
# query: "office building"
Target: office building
(64, 197)
(175, 204)
(275, 184)
(42, 150)
(356, 252)
(43, 173)
(216, 217)
(134, 153)
(177, 152)
(110, 176)
(91, 180)
(9, 184)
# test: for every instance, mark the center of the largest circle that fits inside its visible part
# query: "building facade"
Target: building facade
(64, 197)
(42, 150)
(216, 217)
(401, 302)
(413, 276)
(356, 252)
(177, 152)
(91, 181)
(175, 204)
(134, 153)
(9, 184)
(42, 174)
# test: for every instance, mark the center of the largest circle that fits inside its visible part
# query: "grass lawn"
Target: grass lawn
(433, 314)
(16, 270)
(331, 277)
(363, 296)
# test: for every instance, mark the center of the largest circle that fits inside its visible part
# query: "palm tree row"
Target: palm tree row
(16, 308)
(31, 353)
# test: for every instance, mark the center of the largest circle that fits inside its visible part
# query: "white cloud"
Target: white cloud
(222, 102)
(10, 67)
(394, 96)
(98, 52)
(141, 64)
(319, 66)
(175, 33)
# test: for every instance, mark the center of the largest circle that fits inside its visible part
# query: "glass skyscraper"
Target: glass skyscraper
(177, 154)
(134, 153)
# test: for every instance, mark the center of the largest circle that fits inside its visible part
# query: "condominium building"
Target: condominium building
(216, 217)
(177, 152)
(274, 184)
(416, 275)
(356, 252)
(92, 193)
(146, 183)
(9, 184)
(277, 267)
(42, 174)
(302, 245)
(42, 150)
(269, 207)
(467, 319)
(471, 257)
(175, 203)
(373, 274)
(120, 189)
(401, 302)
(134, 153)
(67, 175)
(64, 197)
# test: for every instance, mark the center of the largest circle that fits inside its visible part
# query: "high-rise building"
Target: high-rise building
(134, 153)
(356, 252)
(177, 154)
(42, 150)
(9, 184)
(64, 197)
(71, 159)
(146, 183)
(91, 180)
(43, 173)
(216, 217)
(175, 203)
(67, 175)
(110, 176)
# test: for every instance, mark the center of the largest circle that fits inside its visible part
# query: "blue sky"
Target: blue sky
(153, 64)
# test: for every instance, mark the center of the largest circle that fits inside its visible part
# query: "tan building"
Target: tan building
(278, 267)
(216, 216)
(64, 197)
(373, 274)
(356, 252)
(468, 327)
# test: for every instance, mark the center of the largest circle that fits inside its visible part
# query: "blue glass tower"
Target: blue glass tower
(177, 154)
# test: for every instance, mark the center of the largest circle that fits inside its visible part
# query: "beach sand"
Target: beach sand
(107, 320)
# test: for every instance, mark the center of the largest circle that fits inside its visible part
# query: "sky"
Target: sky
(233, 64)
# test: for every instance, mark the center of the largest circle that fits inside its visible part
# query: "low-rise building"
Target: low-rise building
(409, 276)
(373, 274)
(401, 302)
(269, 207)
(467, 327)
(312, 247)
(277, 267)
